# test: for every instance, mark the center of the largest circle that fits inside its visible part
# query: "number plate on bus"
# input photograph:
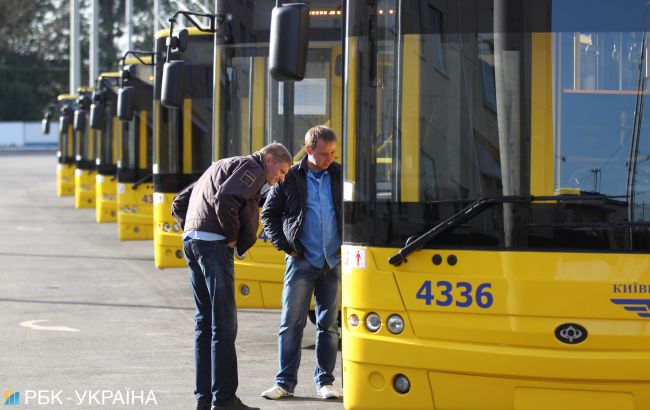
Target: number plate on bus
(460, 294)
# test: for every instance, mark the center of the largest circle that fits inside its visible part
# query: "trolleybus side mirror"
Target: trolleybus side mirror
(171, 94)
(288, 42)
(45, 123)
(64, 120)
(125, 104)
(97, 111)
(96, 115)
(79, 123)
(182, 39)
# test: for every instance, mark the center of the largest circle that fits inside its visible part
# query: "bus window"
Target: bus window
(601, 138)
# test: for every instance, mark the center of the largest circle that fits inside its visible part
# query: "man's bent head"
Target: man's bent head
(277, 160)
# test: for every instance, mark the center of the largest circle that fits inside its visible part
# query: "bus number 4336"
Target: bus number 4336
(466, 297)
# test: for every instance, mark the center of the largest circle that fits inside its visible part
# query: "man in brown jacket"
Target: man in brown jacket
(218, 214)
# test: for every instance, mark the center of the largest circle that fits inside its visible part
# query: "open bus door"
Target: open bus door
(86, 170)
(183, 141)
(65, 152)
(134, 165)
(103, 119)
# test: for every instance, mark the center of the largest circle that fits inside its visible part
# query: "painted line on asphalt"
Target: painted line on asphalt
(32, 324)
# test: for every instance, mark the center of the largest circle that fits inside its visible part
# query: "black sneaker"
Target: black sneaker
(235, 405)
(203, 406)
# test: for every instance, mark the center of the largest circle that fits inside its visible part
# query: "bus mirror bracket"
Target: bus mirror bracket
(125, 94)
(171, 93)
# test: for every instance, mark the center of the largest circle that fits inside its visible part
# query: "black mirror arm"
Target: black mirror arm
(215, 23)
(215, 20)
(137, 54)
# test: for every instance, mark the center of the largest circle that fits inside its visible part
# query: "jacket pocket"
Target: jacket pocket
(289, 226)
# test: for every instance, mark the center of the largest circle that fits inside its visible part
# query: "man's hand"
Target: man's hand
(232, 244)
(293, 254)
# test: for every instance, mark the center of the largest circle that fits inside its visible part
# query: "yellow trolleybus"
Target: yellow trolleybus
(183, 140)
(254, 110)
(103, 119)
(134, 165)
(496, 173)
(65, 153)
(86, 170)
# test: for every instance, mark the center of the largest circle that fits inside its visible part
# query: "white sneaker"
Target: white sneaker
(276, 392)
(329, 392)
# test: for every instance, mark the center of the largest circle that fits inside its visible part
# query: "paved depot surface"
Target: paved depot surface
(134, 322)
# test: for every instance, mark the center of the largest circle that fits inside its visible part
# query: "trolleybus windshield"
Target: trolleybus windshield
(449, 103)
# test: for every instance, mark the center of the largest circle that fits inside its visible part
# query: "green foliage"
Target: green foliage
(34, 52)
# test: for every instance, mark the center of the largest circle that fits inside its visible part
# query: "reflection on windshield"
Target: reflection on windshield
(450, 102)
(601, 135)
(257, 110)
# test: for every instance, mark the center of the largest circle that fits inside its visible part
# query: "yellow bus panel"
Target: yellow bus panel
(106, 198)
(134, 212)
(84, 192)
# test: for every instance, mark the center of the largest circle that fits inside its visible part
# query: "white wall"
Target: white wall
(27, 135)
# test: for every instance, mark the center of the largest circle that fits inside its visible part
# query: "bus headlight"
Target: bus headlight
(176, 228)
(353, 320)
(166, 227)
(395, 324)
(373, 322)
(127, 209)
(134, 209)
(401, 383)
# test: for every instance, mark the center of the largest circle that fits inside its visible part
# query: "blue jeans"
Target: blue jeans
(301, 279)
(213, 279)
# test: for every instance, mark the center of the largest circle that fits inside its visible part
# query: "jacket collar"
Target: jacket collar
(257, 156)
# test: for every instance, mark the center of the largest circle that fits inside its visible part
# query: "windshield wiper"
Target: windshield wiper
(416, 243)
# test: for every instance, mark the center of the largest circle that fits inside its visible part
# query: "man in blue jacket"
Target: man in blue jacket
(302, 217)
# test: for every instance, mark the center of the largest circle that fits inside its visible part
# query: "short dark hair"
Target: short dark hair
(278, 151)
(319, 132)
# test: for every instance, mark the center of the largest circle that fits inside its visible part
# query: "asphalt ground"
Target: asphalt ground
(86, 321)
